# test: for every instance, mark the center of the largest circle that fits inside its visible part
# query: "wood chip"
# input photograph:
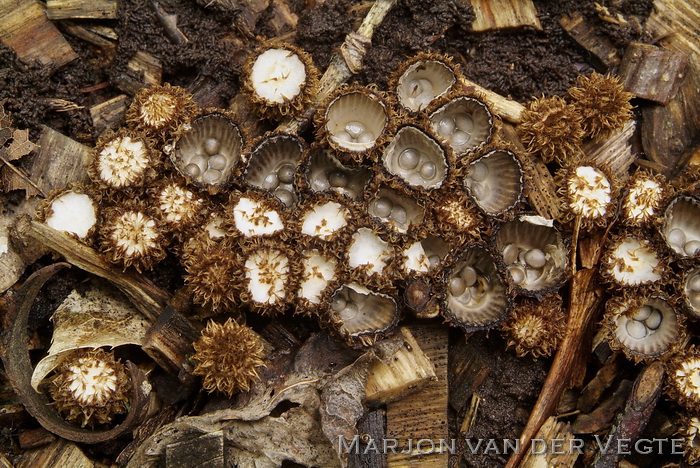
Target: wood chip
(143, 70)
(561, 456)
(422, 415)
(59, 453)
(204, 451)
(58, 161)
(109, 114)
(615, 152)
(652, 73)
(98, 9)
(502, 14)
(25, 29)
(601, 48)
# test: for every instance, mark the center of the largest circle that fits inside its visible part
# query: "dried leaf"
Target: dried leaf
(20, 146)
(100, 316)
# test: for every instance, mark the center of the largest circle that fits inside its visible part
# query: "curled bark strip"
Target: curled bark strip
(18, 367)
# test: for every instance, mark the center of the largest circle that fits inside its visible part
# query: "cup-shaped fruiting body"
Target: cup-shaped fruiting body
(280, 80)
(255, 213)
(130, 235)
(369, 255)
(496, 182)
(690, 290)
(72, 210)
(589, 193)
(122, 159)
(535, 326)
(644, 196)
(355, 120)
(602, 103)
(422, 79)
(455, 216)
(463, 122)
(689, 431)
(207, 150)
(177, 205)
(683, 378)
(551, 127)
(321, 273)
(228, 357)
(323, 217)
(159, 110)
(360, 315)
(475, 295)
(681, 226)
(272, 165)
(533, 255)
(321, 171)
(270, 276)
(213, 273)
(90, 387)
(424, 255)
(633, 259)
(417, 158)
(397, 209)
(643, 326)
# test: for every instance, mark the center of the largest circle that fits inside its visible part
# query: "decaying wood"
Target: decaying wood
(65, 9)
(82, 32)
(601, 417)
(149, 299)
(59, 453)
(206, 450)
(247, 117)
(505, 108)
(422, 415)
(632, 421)
(466, 372)
(585, 298)
(541, 189)
(371, 426)
(32, 438)
(408, 371)
(668, 132)
(599, 383)
(25, 29)
(675, 23)
(652, 73)
(169, 342)
(561, 456)
(601, 48)
(109, 114)
(470, 415)
(143, 70)
(59, 161)
(503, 14)
(615, 152)
(339, 70)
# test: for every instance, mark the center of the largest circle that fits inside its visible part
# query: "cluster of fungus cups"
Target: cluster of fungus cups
(405, 198)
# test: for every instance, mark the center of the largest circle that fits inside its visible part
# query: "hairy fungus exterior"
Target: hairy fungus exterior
(131, 236)
(552, 128)
(535, 327)
(213, 274)
(122, 159)
(602, 103)
(689, 430)
(227, 357)
(90, 387)
(633, 259)
(644, 196)
(159, 110)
